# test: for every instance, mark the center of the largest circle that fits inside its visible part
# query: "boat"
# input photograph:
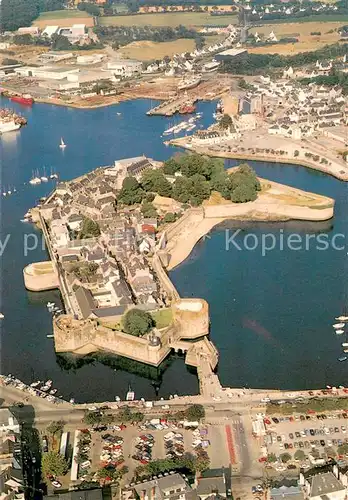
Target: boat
(50, 336)
(53, 391)
(44, 177)
(72, 401)
(35, 384)
(187, 109)
(8, 126)
(345, 344)
(62, 145)
(25, 99)
(119, 114)
(190, 83)
(9, 192)
(342, 318)
(1, 316)
(342, 358)
(130, 394)
(35, 179)
(338, 325)
(339, 332)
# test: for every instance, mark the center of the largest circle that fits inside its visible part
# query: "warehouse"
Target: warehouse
(230, 54)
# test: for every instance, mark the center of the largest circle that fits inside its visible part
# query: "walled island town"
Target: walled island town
(144, 354)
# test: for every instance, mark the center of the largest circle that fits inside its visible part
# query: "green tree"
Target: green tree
(150, 197)
(182, 189)
(200, 189)
(271, 458)
(171, 166)
(92, 417)
(60, 42)
(148, 210)
(23, 39)
(17, 13)
(343, 449)
(154, 180)
(169, 217)
(195, 412)
(225, 122)
(55, 427)
(89, 229)
(54, 464)
(192, 164)
(90, 8)
(243, 193)
(137, 322)
(131, 192)
(299, 455)
(285, 457)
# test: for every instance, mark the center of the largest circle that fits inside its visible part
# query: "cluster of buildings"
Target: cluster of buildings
(316, 484)
(75, 33)
(11, 478)
(105, 273)
(297, 112)
(261, 11)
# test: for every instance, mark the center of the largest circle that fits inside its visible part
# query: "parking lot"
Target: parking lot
(322, 432)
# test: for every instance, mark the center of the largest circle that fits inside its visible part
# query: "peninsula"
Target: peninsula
(112, 233)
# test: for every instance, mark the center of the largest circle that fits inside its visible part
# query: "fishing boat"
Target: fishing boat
(338, 325)
(339, 332)
(342, 358)
(342, 318)
(130, 394)
(62, 144)
(35, 384)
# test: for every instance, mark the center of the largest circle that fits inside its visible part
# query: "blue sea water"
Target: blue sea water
(271, 316)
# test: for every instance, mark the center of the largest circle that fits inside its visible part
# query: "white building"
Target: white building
(29, 30)
(46, 72)
(50, 30)
(125, 68)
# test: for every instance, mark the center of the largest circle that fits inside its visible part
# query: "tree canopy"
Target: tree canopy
(55, 427)
(195, 412)
(17, 13)
(54, 464)
(90, 229)
(137, 322)
(131, 191)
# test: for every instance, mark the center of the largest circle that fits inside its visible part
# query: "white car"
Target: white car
(85, 464)
(56, 484)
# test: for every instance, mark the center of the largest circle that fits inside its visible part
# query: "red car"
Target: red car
(267, 421)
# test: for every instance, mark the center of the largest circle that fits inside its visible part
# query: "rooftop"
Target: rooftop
(324, 484)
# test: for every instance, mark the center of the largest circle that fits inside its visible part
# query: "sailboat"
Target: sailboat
(35, 179)
(53, 174)
(9, 191)
(62, 145)
(44, 177)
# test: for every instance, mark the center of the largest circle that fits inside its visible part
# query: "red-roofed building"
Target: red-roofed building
(147, 228)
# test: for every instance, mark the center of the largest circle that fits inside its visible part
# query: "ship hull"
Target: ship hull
(27, 101)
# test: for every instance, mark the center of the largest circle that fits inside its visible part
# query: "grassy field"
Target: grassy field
(323, 18)
(145, 50)
(171, 19)
(63, 18)
(302, 31)
(163, 317)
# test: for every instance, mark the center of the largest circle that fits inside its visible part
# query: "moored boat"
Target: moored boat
(338, 325)
(25, 99)
(342, 358)
(339, 332)
(342, 318)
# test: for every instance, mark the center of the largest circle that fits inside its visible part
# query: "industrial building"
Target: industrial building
(230, 54)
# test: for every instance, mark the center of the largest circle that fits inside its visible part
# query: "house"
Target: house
(75, 222)
(324, 485)
(125, 68)
(95, 494)
(287, 493)
(212, 485)
(85, 301)
(171, 487)
(8, 421)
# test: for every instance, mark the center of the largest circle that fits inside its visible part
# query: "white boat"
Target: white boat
(1, 316)
(342, 358)
(338, 325)
(345, 344)
(35, 179)
(9, 192)
(339, 332)
(72, 401)
(342, 318)
(44, 178)
(119, 114)
(62, 145)
(8, 126)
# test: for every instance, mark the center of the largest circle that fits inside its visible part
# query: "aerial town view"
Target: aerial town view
(174, 227)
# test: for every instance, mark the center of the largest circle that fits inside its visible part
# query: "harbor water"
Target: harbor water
(271, 315)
